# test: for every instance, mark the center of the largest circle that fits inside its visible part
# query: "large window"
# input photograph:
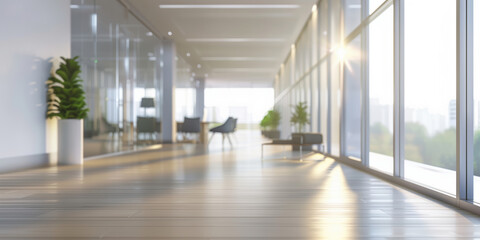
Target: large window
(335, 77)
(476, 105)
(324, 104)
(323, 42)
(353, 97)
(380, 64)
(430, 83)
(353, 15)
(374, 4)
(354, 53)
(221, 103)
(315, 101)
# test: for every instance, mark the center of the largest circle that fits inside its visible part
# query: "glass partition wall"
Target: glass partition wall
(121, 69)
(392, 89)
(185, 91)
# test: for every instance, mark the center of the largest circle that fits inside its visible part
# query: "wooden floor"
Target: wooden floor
(188, 192)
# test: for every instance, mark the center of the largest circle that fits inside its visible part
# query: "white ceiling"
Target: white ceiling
(241, 47)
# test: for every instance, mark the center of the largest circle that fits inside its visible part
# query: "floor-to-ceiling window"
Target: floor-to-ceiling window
(407, 75)
(380, 77)
(430, 83)
(335, 58)
(352, 15)
(323, 49)
(351, 57)
(352, 60)
(374, 4)
(476, 100)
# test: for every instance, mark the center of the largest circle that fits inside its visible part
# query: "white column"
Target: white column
(169, 128)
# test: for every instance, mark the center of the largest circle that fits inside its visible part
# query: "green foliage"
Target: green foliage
(476, 153)
(66, 98)
(300, 116)
(438, 150)
(271, 120)
(416, 138)
(381, 140)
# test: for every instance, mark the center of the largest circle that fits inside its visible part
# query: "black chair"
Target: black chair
(225, 129)
(190, 125)
(146, 125)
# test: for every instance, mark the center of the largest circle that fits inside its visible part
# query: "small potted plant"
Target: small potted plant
(299, 120)
(269, 124)
(66, 101)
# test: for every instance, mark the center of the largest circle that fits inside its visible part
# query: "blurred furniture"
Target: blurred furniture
(189, 126)
(301, 140)
(203, 132)
(147, 103)
(225, 129)
(146, 125)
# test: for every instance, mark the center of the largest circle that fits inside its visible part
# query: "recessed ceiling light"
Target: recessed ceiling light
(188, 54)
(149, 34)
(314, 7)
(193, 74)
(170, 33)
(228, 6)
(235, 40)
(199, 65)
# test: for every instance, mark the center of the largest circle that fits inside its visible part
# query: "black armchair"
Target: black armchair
(190, 125)
(225, 129)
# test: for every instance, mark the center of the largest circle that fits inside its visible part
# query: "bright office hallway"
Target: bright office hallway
(185, 191)
(109, 108)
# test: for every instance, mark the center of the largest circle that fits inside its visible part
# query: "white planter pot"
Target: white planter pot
(70, 141)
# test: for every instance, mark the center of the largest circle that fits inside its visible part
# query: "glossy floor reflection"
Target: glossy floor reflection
(110, 143)
(188, 192)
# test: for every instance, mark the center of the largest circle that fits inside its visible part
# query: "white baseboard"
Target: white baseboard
(19, 163)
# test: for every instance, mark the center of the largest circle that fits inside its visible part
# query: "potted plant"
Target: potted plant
(300, 116)
(269, 124)
(299, 119)
(66, 101)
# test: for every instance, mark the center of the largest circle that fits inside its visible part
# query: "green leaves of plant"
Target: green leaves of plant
(66, 98)
(300, 115)
(271, 120)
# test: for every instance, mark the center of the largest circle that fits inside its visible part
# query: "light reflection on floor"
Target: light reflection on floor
(188, 191)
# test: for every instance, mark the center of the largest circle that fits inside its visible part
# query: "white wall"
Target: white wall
(32, 32)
